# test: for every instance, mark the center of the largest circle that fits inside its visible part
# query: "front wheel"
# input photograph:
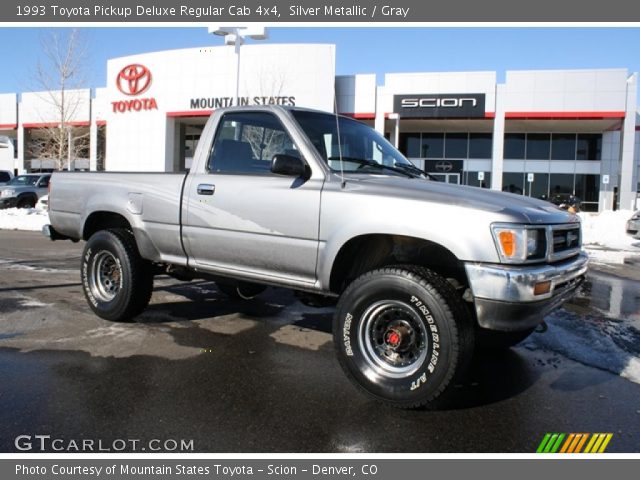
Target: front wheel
(116, 280)
(403, 335)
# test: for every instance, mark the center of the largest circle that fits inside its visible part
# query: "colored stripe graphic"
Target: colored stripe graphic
(582, 442)
(598, 443)
(569, 444)
(543, 443)
(550, 443)
(574, 443)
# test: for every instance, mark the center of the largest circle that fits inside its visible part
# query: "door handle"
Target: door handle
(206, 189)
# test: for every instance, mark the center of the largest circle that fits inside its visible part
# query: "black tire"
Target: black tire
(26, 202)
(496, 340)
(241, 290)
(403, 336)
(116, 280)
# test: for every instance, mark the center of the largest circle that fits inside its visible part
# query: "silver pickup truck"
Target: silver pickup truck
(422, 271)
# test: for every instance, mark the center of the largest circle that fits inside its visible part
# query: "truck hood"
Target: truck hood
(513, 207)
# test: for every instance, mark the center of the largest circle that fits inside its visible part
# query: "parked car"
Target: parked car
(325, 206)
(5, 176)
(633, 225)
(43, 203)
(24, 191)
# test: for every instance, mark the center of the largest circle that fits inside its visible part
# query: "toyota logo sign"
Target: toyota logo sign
(133, 79)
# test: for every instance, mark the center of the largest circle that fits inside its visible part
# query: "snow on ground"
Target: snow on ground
(23, 219)
(607, 344)
(605, 238)
(608, 230)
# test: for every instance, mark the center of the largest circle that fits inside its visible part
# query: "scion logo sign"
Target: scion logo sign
(449, 105)
(444, 166)
(133, 80)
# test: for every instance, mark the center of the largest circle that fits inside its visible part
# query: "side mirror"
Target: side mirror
(283, 164)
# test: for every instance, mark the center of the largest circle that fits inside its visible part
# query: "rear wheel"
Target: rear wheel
(403, 335)
(116, 280)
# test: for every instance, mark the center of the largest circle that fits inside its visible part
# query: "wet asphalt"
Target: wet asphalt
(261, 376)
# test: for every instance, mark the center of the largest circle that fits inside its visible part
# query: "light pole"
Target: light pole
(235, 36)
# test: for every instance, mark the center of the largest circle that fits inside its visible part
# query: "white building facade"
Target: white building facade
(538, 133)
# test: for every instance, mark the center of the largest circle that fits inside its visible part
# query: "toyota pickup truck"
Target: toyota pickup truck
(422, 271)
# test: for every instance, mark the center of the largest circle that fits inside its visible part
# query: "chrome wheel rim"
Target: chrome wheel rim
(393, 339)
(105, 280)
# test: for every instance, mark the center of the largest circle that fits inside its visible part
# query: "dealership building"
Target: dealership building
(540, 133)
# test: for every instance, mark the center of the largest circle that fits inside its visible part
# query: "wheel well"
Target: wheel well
(103, 221)
(368, 252)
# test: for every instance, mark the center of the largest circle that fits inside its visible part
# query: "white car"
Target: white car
(633, 225)
(43, 203)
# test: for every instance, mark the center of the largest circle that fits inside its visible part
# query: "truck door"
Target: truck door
(241, 217)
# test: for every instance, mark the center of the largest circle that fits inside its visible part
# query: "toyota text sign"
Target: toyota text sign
(133, 80)
(441, 105)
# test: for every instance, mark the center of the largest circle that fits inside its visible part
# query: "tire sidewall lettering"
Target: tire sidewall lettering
(346, 335)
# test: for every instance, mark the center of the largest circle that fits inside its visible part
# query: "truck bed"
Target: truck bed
(150, 202)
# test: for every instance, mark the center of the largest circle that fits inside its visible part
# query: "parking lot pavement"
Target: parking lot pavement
(258, 376)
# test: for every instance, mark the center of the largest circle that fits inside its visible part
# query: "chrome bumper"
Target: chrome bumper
(504, 295)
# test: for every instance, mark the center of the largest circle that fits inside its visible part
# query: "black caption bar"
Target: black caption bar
(299, 11)
(310, 469)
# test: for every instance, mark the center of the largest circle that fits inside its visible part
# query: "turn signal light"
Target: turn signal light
(508, 243)
(542, 288)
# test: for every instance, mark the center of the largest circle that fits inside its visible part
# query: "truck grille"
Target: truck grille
(565, 241)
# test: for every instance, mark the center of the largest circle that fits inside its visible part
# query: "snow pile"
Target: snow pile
(23, 219)
(597, 342)
(609, 230)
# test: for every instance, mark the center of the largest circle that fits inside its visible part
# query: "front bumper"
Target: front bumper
(504, 295)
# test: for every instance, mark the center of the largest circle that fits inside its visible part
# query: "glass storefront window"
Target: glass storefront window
(432, 145)
(455, 145)
(539, 188)
(563, 146)
(561, 183)
(587, 191)
(538, 146)
(471, 179)
(514, 144)
(589, 146)
(480, 145)
(513, 182)
(410, 144)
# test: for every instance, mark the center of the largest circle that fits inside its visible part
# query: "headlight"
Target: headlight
(636, 216)
(518, 244)
(7, 193)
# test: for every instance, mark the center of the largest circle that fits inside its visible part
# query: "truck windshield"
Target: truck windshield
(361, 148)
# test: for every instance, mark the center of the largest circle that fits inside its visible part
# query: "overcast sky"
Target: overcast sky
(359, 50)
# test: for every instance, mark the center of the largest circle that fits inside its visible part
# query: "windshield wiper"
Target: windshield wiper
(365, 162)
(410, 167)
